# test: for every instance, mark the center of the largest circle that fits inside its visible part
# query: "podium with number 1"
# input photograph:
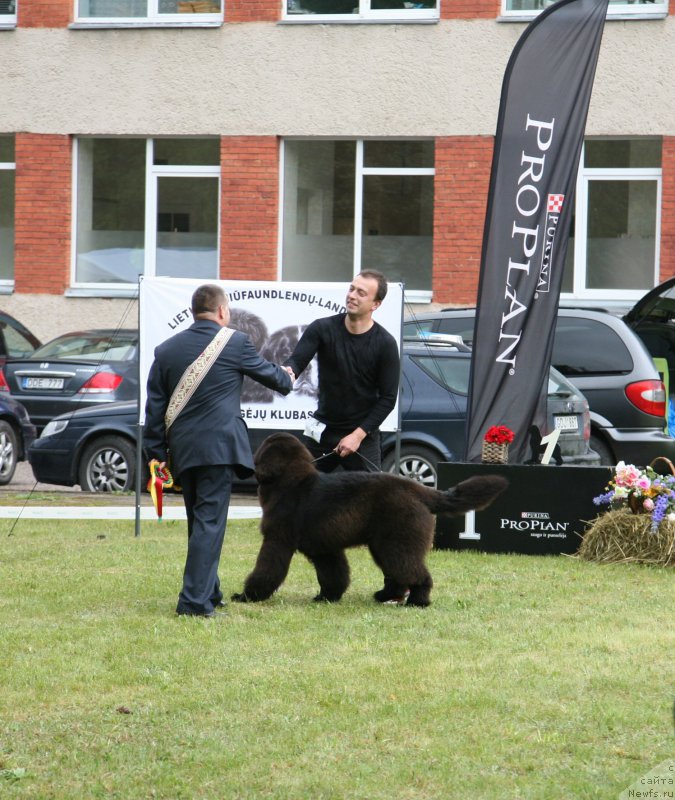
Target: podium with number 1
(545, 509)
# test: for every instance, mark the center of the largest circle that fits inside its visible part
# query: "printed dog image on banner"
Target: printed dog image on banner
(274, 315)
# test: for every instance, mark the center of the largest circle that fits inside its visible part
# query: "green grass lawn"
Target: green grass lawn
(528, 677)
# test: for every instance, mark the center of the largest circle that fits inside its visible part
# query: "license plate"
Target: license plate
(567, 423)
(43, 383)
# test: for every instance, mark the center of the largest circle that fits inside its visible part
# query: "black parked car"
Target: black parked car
(605, 360)
(76, 370)
(95, 447)
(17, 433)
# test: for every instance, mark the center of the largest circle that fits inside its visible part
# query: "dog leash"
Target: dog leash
(333, 452)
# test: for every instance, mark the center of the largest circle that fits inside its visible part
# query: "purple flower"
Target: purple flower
(660, 509)
(604, 499)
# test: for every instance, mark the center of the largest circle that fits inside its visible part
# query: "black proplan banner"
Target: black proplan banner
(542, 116)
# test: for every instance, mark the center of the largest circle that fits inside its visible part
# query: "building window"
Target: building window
(613, 250)
(178, 12)
(353, 205)
(122, 185)
(356, 10)
(7, 171)
(618, 9)
(7, 13)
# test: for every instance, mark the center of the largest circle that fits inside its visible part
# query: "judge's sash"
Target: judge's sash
(194, 375)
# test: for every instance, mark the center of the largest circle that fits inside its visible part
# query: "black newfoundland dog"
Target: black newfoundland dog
(320, 515)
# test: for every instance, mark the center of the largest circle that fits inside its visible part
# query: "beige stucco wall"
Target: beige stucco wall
(48, 315)
(304, 80)
(310, 80)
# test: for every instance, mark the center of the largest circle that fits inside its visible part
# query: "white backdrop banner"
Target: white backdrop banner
(274, 315)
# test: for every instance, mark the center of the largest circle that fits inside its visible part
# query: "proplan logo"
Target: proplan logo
(659, 784)
(537, 523)
(525, 233)
(554, 208)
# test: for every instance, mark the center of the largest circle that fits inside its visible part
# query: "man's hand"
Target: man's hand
(290, 372)
(350, 443)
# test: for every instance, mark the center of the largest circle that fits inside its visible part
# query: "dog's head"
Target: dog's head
(282, 459)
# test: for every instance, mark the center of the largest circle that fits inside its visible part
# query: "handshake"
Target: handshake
(290, 372)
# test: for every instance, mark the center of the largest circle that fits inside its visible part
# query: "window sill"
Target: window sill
(124, 292)
(315, 19)
(418, 296)
(8, 26)
(612, 17)
(88, 26)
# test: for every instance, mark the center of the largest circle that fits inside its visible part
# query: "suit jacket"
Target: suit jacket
(210, 429)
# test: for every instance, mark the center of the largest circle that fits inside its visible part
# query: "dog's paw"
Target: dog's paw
(386, 597)
(239, 598)
(322, 598)
(418, 603)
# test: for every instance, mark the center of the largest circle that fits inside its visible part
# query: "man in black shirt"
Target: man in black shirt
(358, 378)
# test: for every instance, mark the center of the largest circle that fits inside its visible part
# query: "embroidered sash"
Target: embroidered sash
(194, 375)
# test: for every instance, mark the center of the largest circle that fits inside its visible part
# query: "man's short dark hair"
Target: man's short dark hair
(381, 282)
(207, 298)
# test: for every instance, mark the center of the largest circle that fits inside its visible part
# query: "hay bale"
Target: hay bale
(622, 537)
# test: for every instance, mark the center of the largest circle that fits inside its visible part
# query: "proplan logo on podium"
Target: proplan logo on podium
(538, 523)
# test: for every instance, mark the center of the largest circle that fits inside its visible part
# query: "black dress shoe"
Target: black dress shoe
(195, 613)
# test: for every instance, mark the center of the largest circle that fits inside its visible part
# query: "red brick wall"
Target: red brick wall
(461, 185)
(470, 9)
(43, 213)
(45, 13)
(252, 10)
(668, 209)
(249, 207)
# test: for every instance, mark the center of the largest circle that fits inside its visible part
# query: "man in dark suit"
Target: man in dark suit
(207, 442)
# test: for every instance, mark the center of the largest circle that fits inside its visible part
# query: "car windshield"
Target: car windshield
(559, 385)
(112, 346)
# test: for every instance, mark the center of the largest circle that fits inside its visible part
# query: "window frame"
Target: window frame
(414, 296)
(9, 20)
(365, 14)
(585, 176)
(622, 11)
(7, 284)
(152, 174)
(153, 18)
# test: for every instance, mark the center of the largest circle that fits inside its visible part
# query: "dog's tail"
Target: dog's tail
(472, 494)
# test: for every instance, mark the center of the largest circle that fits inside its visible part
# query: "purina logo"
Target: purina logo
(554, 208)
(555, 203)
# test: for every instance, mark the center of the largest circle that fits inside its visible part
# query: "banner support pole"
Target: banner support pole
(139, 428)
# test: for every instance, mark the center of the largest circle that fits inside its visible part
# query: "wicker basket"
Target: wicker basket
(495, 453)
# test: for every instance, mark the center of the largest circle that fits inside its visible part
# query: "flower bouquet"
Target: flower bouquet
(639, 525)
(495, 449)
(643, 491)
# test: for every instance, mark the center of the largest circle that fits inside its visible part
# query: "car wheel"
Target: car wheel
(606, 457)
(417, 463)
(107, 465)
(8, 451)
